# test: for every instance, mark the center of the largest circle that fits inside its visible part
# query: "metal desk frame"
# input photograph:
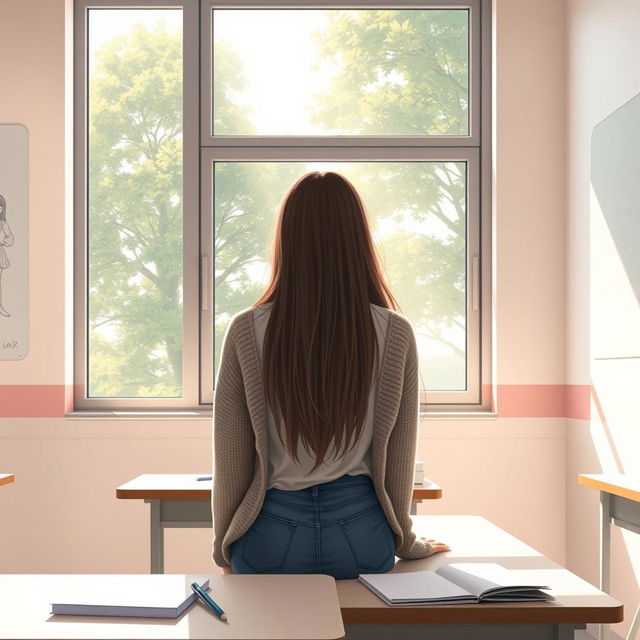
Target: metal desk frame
(624, 513)
(620, 505)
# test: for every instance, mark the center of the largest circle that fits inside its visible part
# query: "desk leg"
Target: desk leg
(605, 553)
(156, 538)
(564, 631)
(414, 506)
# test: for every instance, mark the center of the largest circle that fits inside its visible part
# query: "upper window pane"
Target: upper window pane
(314, 72)
(134, 203)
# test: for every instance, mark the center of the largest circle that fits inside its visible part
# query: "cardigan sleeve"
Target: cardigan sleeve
(401, 451)
(233, 444)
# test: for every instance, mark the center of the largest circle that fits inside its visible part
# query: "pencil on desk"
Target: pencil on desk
(209, 602)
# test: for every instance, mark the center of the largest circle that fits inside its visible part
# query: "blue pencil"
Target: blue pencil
(208, 601)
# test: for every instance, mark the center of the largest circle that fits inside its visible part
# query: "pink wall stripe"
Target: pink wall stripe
(545, 401)
(514, 400)
(531, 400)
(33, 400)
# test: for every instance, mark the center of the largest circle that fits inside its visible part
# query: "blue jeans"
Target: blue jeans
(336, 528)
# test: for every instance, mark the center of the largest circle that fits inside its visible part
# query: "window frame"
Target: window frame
(475, 149)
(190, 207)
(201, 149)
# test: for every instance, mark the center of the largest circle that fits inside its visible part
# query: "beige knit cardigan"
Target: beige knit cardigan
(240, 436)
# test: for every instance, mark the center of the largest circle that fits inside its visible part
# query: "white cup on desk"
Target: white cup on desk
(418, 476)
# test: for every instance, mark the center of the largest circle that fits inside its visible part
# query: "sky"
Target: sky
(277, 40)
(285, 45)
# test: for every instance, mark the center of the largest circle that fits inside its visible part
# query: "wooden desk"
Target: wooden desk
(6, 478)
(620, 504)
(475, 539)
(181, 500)
(263, 606)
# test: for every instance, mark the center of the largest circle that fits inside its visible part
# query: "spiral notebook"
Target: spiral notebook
(455, 583)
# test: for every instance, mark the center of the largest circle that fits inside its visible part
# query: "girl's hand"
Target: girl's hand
(436, 547)
(227, 570)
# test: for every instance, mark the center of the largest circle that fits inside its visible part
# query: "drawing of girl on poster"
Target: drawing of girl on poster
(6, 240)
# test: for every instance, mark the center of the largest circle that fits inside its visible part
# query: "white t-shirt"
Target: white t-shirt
(286, 474)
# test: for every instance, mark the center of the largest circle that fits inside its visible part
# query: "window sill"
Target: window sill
(458, 415)
(207, 414)
(140, 414)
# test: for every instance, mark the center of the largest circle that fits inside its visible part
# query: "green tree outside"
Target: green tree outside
(135, 216)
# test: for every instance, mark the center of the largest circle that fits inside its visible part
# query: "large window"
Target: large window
(396, 99)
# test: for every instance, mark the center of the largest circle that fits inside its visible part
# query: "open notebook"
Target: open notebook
(455, 583)
(144, 595)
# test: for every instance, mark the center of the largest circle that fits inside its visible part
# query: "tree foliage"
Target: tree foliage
(401, 72)
(135, 216)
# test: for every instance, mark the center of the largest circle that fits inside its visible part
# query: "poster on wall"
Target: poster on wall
(14, 241)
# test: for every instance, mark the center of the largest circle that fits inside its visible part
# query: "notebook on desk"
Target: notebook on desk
(146, 596)
(455, 583)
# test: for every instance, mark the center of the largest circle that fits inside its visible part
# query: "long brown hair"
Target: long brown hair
(320, 343)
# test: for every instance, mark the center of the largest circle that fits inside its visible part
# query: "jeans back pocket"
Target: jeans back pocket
(371, 540)
(267, 543)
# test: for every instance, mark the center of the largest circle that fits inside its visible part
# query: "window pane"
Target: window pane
(340, 72)
(418, 217)
(134, 227)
